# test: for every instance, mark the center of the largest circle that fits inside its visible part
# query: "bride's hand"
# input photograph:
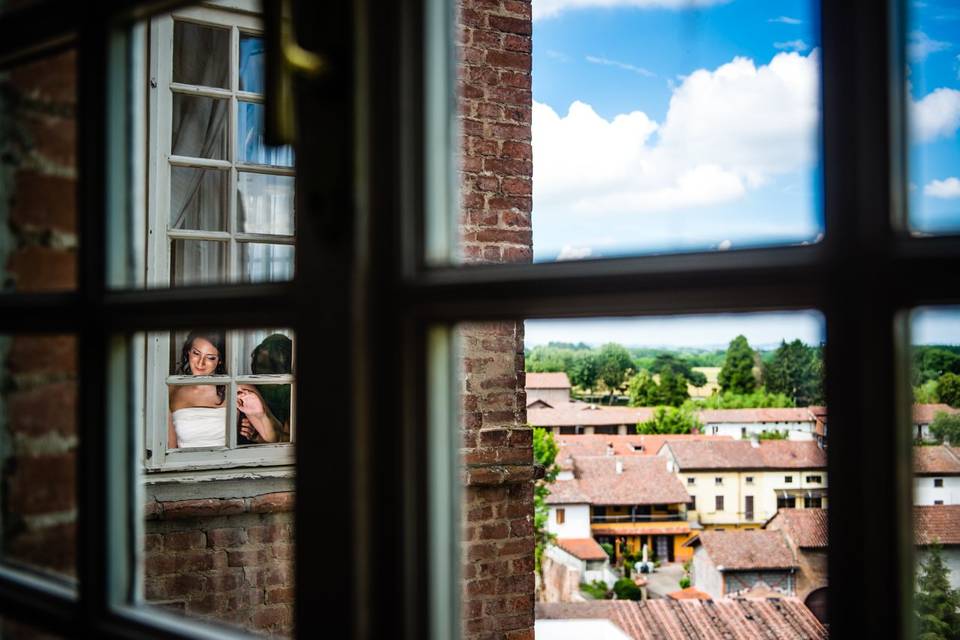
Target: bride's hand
(250, 403)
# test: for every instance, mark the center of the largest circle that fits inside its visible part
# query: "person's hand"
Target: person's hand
(247, 430)
(250, 403)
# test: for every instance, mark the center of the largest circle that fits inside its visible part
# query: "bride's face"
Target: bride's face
(204, 358)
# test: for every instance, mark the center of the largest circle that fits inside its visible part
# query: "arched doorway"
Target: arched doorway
(816, 601)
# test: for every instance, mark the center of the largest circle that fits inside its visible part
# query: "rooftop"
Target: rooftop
(939, 460)
(548, 381)
(938, 524)
(807, 528)
(787, 414)
(571, 414)
(925, 413)
(583, 548)
(599, 444)
(667, 619)
(641, 480)
(746, 550)
(690, 593)
(694, 455)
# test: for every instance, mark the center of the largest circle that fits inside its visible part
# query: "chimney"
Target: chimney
(619, 466)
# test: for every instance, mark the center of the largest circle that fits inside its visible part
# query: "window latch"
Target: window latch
(284, 59)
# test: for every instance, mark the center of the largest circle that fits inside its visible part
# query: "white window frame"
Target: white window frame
(240, 17)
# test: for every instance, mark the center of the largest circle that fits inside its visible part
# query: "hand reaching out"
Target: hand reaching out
(250, 403)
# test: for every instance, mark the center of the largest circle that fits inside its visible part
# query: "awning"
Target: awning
(640, 528)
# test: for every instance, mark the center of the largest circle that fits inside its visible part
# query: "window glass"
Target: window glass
(252, 59)
(198, 262)
(38, 186)
(266, 262)
(201, 55)
(199, 127)
(251, 148)
(266, 203)
(933, 114)
(198, 199)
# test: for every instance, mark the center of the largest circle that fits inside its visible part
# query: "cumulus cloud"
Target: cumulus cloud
(935, 115)
(786, 20)
(920, 45)
(726, 131)
(551, 8)
(569, 252)
(621, 65)
(944, 189)
(792, 45)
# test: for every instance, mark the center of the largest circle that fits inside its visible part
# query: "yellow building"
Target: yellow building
(740, 484)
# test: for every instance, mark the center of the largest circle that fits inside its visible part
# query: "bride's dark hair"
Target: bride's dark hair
(216, 339)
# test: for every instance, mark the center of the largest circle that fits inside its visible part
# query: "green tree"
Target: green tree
(936, 605)
(670, 362)
(737, 372)
(626, 589)
(584, 370)
(926, 393)
(643, 390)
(794, 370)
(759, 399)
(931, 362)
(613, 365)
(670, 420)
(946, 427)
(544, 453)
(948, 389)
(672, 389)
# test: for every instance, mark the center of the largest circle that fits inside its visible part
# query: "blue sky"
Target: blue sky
(672, 125)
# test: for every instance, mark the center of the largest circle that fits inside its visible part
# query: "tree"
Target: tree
(584, 370)
(929, 363)
(670, 420)
(936, 604)
(672, 389)
(643, 390)
(759, 399)
(795, 372)
(544, 453)
(669, 362)
(737, 372)
(926, 393)
(948, 389)
(613, 364)
(626, 589)
(946, 427)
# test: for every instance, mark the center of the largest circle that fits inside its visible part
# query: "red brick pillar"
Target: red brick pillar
(497, 171)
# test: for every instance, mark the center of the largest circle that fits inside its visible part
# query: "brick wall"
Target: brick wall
(496, 191)
(223, 559)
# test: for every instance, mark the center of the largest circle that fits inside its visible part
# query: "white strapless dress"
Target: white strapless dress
(201, 426)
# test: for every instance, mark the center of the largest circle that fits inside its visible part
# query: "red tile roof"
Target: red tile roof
(723, 619)
(572, 414)
(807, 528)
(940, 460)
(583, 548)
(742, 454)
(746, 550)
(925, 413)
(547, 381)
(641, 480)
(690, 593)
(598, 444)
(936, 524)
(790, 414)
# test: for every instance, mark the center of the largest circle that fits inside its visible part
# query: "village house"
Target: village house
(936, 475)
(624, 501)
(741, 483)
(798, 423)
(545, 390)
(939, 525)
(923, 417)
(738, 563)
(805, 531)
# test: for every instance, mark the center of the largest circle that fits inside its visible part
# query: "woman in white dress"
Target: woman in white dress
(198, 411)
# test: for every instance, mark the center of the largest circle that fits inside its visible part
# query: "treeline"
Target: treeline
(936, 374)
(791, 375)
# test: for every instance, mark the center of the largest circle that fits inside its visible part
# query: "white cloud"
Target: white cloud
(944, 189)
(935, 115)
(551, 8)
(726, 131)
(569, 252)
(621, 65)
(920, 45)
(792, 45)
(786, 20)
(557, 55)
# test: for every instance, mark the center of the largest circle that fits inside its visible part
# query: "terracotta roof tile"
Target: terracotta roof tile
(598, 444)
(723, 619)
(641, 480)
(547, 381)
(807, 528)
(746, 550)
(690, 593)
(572, 414)
(742, 454)
(936, 524)
(925, 413)
(583, 548)
(788, 414)
(939, 460)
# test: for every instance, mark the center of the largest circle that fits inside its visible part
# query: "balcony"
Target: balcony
(637, 517)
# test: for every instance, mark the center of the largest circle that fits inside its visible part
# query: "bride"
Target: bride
(198, 412)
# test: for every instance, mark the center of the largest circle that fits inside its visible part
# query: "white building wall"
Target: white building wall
(553, 397)
(706, 578)
(576, 521)
(795, 430)
(925, 493)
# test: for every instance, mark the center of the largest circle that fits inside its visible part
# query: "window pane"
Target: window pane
(624, 128)
(199, 127)
(38, 441)
(934, 117)
(201, 55)
(195, 262)
(265, 203)
(251, 148)
(252, 59)
(935, 430)
(266, 262)
(191, 351)
(38, 206)
(266, 352)
(198, 199)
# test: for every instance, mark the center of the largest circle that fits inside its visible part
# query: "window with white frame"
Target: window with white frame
(220, 210)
